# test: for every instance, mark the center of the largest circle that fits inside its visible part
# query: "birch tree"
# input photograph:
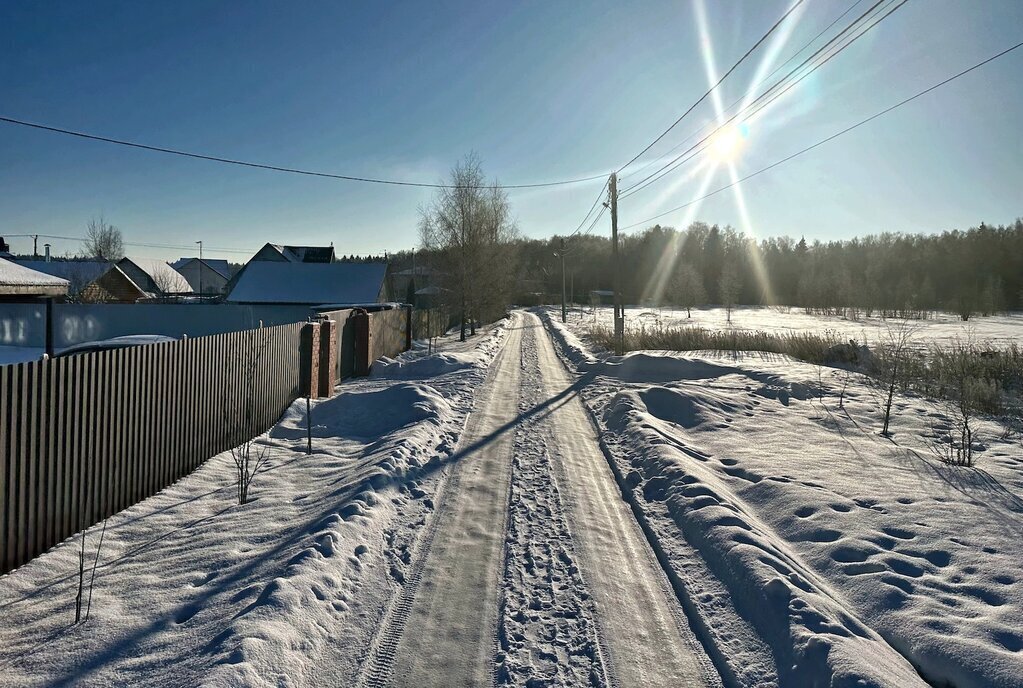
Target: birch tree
(469, 226)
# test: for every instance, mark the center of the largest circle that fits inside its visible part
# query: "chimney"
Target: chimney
(46, 247)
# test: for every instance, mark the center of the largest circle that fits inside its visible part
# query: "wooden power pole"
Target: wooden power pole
(619, 313)
(564, 312)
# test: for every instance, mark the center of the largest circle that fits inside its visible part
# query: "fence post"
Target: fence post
(360, 322)
(309, 369)
(408, 327)
(328, 357)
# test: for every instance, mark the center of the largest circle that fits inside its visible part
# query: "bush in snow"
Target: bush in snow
(806, 346)
(889, 369)
(248, 460)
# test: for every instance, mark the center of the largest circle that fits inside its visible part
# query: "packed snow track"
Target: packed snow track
(533, 569)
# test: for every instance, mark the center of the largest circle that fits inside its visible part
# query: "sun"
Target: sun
(728, 143)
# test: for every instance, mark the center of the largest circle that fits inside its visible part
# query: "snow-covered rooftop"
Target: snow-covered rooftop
(18, 279)
(164, 277)
(217, 264)
(79, 272)
(309, 283)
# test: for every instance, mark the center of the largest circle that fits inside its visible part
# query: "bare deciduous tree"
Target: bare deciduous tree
(167, 279)
(249, 456)
(103, 240)
(888, 368)
(687, 289)
(729, 287)
(962, 389)
(470, 228)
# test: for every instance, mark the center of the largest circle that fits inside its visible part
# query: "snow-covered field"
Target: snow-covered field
(997, 330)
(812, 546)
(780, 540)
(193, 589)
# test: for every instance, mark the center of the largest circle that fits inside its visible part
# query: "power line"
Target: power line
(595, 220)
(289, 170)
(600, 195)
(756, 85)
(832, 137)
(692, 107)
(131, 243)
(771, 94)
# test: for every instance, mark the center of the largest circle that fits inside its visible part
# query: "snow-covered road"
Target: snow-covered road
(522, 510)
(648, 638)
(442, 628)
(581, 600)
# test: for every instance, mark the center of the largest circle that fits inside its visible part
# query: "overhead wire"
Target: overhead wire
(750, 90)
(771, 94)
(600, 195)
(692, 107)
(134, 243)
(289, 170)
(831, 137)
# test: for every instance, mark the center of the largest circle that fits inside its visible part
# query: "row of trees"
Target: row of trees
(469, 239)
(977, 271)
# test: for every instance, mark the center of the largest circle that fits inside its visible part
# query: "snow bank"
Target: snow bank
(942, 328)
(365, 416)
(815, 641)
(572, 347)
(193, 589)
(855, 557)
(422, 367)
(850, 554)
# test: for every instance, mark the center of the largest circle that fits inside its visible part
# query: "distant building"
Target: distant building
(133, 279)
(310, 283)
(19, 283)
(295, 254)
(408, 283)
(78, 272)
(114, 286)
(204, 276)
(155, 276)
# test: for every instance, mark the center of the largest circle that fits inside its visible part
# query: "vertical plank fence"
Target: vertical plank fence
(86, 436)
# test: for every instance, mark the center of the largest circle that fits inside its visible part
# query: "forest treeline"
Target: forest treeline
(976, 271)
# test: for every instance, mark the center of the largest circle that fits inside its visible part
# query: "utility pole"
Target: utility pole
(564, 311)
(619, 314)
(200, 267)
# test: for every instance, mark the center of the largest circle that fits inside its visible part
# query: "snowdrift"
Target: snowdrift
(193, 589)
(857, 559)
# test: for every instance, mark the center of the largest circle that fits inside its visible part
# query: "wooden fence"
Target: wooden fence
(85, 436)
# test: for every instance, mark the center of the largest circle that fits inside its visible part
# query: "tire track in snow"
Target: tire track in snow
(648, 635)
(547, 634)
(449, 598)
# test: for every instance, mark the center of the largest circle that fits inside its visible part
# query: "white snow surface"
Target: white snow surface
(313, 283)
(853, 556)
(996, 330)
(14, 274)
(193, 589)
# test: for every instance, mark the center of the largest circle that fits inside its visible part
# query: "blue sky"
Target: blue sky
(540, 90)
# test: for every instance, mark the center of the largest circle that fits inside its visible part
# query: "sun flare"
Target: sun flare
(728, 143)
